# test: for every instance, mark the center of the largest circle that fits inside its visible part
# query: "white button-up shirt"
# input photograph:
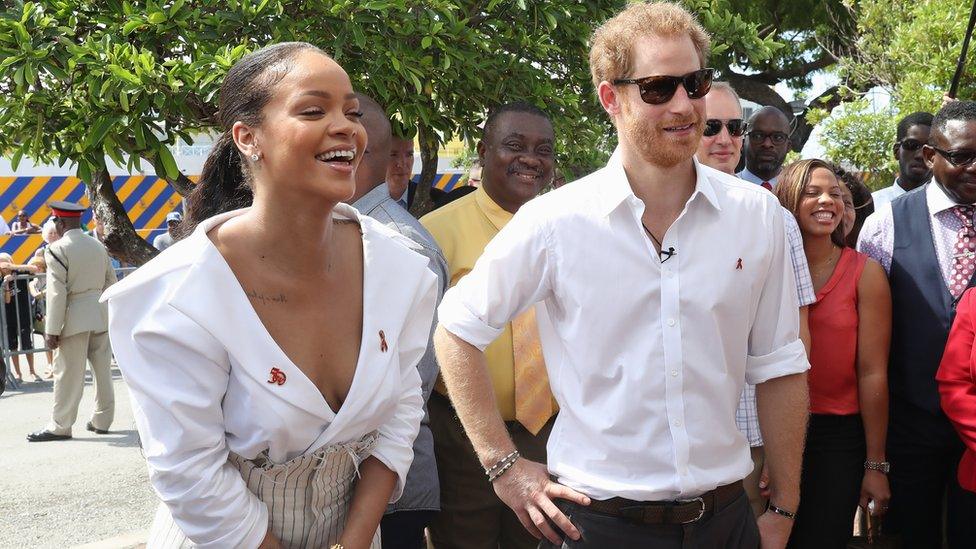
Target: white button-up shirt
(884, 196)
(646, 358)
(200, 367)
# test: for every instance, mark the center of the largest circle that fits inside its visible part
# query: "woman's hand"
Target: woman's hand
(875, 488)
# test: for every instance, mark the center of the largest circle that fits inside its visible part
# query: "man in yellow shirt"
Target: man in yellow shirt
(516, 152)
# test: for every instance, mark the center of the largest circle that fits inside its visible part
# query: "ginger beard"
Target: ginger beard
(654, 143)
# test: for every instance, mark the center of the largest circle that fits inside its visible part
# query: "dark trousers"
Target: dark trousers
(405, 529)
(472, 516)
(924, 452)
(732, 527)
(830, 486)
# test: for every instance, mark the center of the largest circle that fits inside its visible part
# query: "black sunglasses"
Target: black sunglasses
(910, 144)
(757, 137)
(656, 90)
(735, 126)
(957, 158)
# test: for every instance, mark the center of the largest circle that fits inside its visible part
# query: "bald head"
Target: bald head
(767, 143)
(372, 170)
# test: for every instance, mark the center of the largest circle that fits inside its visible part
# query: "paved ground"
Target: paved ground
(90, 490)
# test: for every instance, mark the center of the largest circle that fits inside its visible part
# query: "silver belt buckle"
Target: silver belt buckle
(701, 512)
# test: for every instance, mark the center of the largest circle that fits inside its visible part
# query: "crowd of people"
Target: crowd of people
(694, 346)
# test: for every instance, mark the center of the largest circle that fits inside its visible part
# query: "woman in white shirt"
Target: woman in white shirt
(271, 361)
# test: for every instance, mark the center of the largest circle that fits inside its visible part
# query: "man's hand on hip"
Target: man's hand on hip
(528, 490)
(774, 530)
(52, 341)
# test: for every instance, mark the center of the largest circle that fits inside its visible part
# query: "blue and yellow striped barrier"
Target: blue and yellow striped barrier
(147, 199)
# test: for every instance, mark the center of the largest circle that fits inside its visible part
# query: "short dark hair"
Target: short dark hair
(514, 106)
(914, 119)
(954, 110)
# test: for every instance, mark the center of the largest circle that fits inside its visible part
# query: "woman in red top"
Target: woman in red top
(957, 384)
(850, 329)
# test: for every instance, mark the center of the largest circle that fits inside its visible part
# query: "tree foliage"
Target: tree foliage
(909, 48)
(82, 80)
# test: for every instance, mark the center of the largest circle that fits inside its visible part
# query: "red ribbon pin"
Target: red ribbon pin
(277, 376)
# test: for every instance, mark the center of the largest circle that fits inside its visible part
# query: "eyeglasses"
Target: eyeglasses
(957, 158)
(757, 137)
(656, 90)
(736, 127)
(910, 144)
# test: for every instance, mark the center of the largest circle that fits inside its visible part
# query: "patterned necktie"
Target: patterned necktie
(767, 185)
(964, 263)
(533, 399)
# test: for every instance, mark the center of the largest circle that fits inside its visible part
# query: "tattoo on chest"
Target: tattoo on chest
(266, 299)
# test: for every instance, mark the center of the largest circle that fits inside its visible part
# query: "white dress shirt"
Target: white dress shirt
(198, 363)
(883, 196)
(646, 359)
(746, 175)
(877, 238)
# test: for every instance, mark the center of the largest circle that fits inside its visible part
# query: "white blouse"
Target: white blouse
(206, 378)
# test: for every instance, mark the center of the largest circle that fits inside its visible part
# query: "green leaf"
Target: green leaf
(16, 158)
(416, 83)
(425, 42)
(119, 72)
(124, 101)
(172, 171)
(84, 171)
(157, 17)
(98, 132)
(131, 26)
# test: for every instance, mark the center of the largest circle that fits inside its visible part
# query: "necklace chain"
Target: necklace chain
(654, 238)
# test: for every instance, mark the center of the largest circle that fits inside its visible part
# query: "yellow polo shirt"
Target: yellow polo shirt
(462, 229)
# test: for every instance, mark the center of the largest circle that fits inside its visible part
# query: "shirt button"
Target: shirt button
(677, 423)
(674, 373)
(668, 273)
(671, 322)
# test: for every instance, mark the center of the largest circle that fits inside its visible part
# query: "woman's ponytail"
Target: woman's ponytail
(222, 186)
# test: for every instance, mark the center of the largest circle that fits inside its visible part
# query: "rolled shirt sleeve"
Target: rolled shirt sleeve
(775, 348)
(395, 444)
(177, 376)
(511, 275)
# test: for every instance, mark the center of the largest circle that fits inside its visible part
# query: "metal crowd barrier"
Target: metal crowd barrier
(20, 302)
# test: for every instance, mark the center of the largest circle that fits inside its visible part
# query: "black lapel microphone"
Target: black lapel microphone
(671, 252)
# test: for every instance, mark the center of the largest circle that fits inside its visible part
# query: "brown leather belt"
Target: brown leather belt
(669, 512)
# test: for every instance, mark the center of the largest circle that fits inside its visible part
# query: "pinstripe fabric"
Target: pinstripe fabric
(307, 497)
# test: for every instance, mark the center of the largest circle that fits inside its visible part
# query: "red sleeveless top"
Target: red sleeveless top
(833, 339)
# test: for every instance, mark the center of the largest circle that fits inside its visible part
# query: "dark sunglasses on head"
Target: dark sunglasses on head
(757, 137)
(957, 158)
(910, 144)
(656, 90)
(736, 127)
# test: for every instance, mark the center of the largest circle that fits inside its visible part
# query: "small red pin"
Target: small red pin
(738, 264)
(383, 345)
(277, 376)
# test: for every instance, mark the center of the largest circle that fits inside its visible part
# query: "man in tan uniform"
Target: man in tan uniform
(78, 271)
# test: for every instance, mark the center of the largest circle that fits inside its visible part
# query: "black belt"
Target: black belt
(669, 512)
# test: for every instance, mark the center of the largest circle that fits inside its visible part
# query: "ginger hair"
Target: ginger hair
(611, 49)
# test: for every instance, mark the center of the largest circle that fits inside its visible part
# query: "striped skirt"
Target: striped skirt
(307, 497)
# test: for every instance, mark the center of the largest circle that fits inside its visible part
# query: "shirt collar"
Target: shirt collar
(496, 215)
(746, 175)
(617, 187)
(937, 199)
(369, 201)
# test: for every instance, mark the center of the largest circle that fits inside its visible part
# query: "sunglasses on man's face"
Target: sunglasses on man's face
(910, 144)
(959, 158)
(736, 127)
(657, 90)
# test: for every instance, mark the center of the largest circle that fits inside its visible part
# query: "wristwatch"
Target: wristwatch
(882, 466)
